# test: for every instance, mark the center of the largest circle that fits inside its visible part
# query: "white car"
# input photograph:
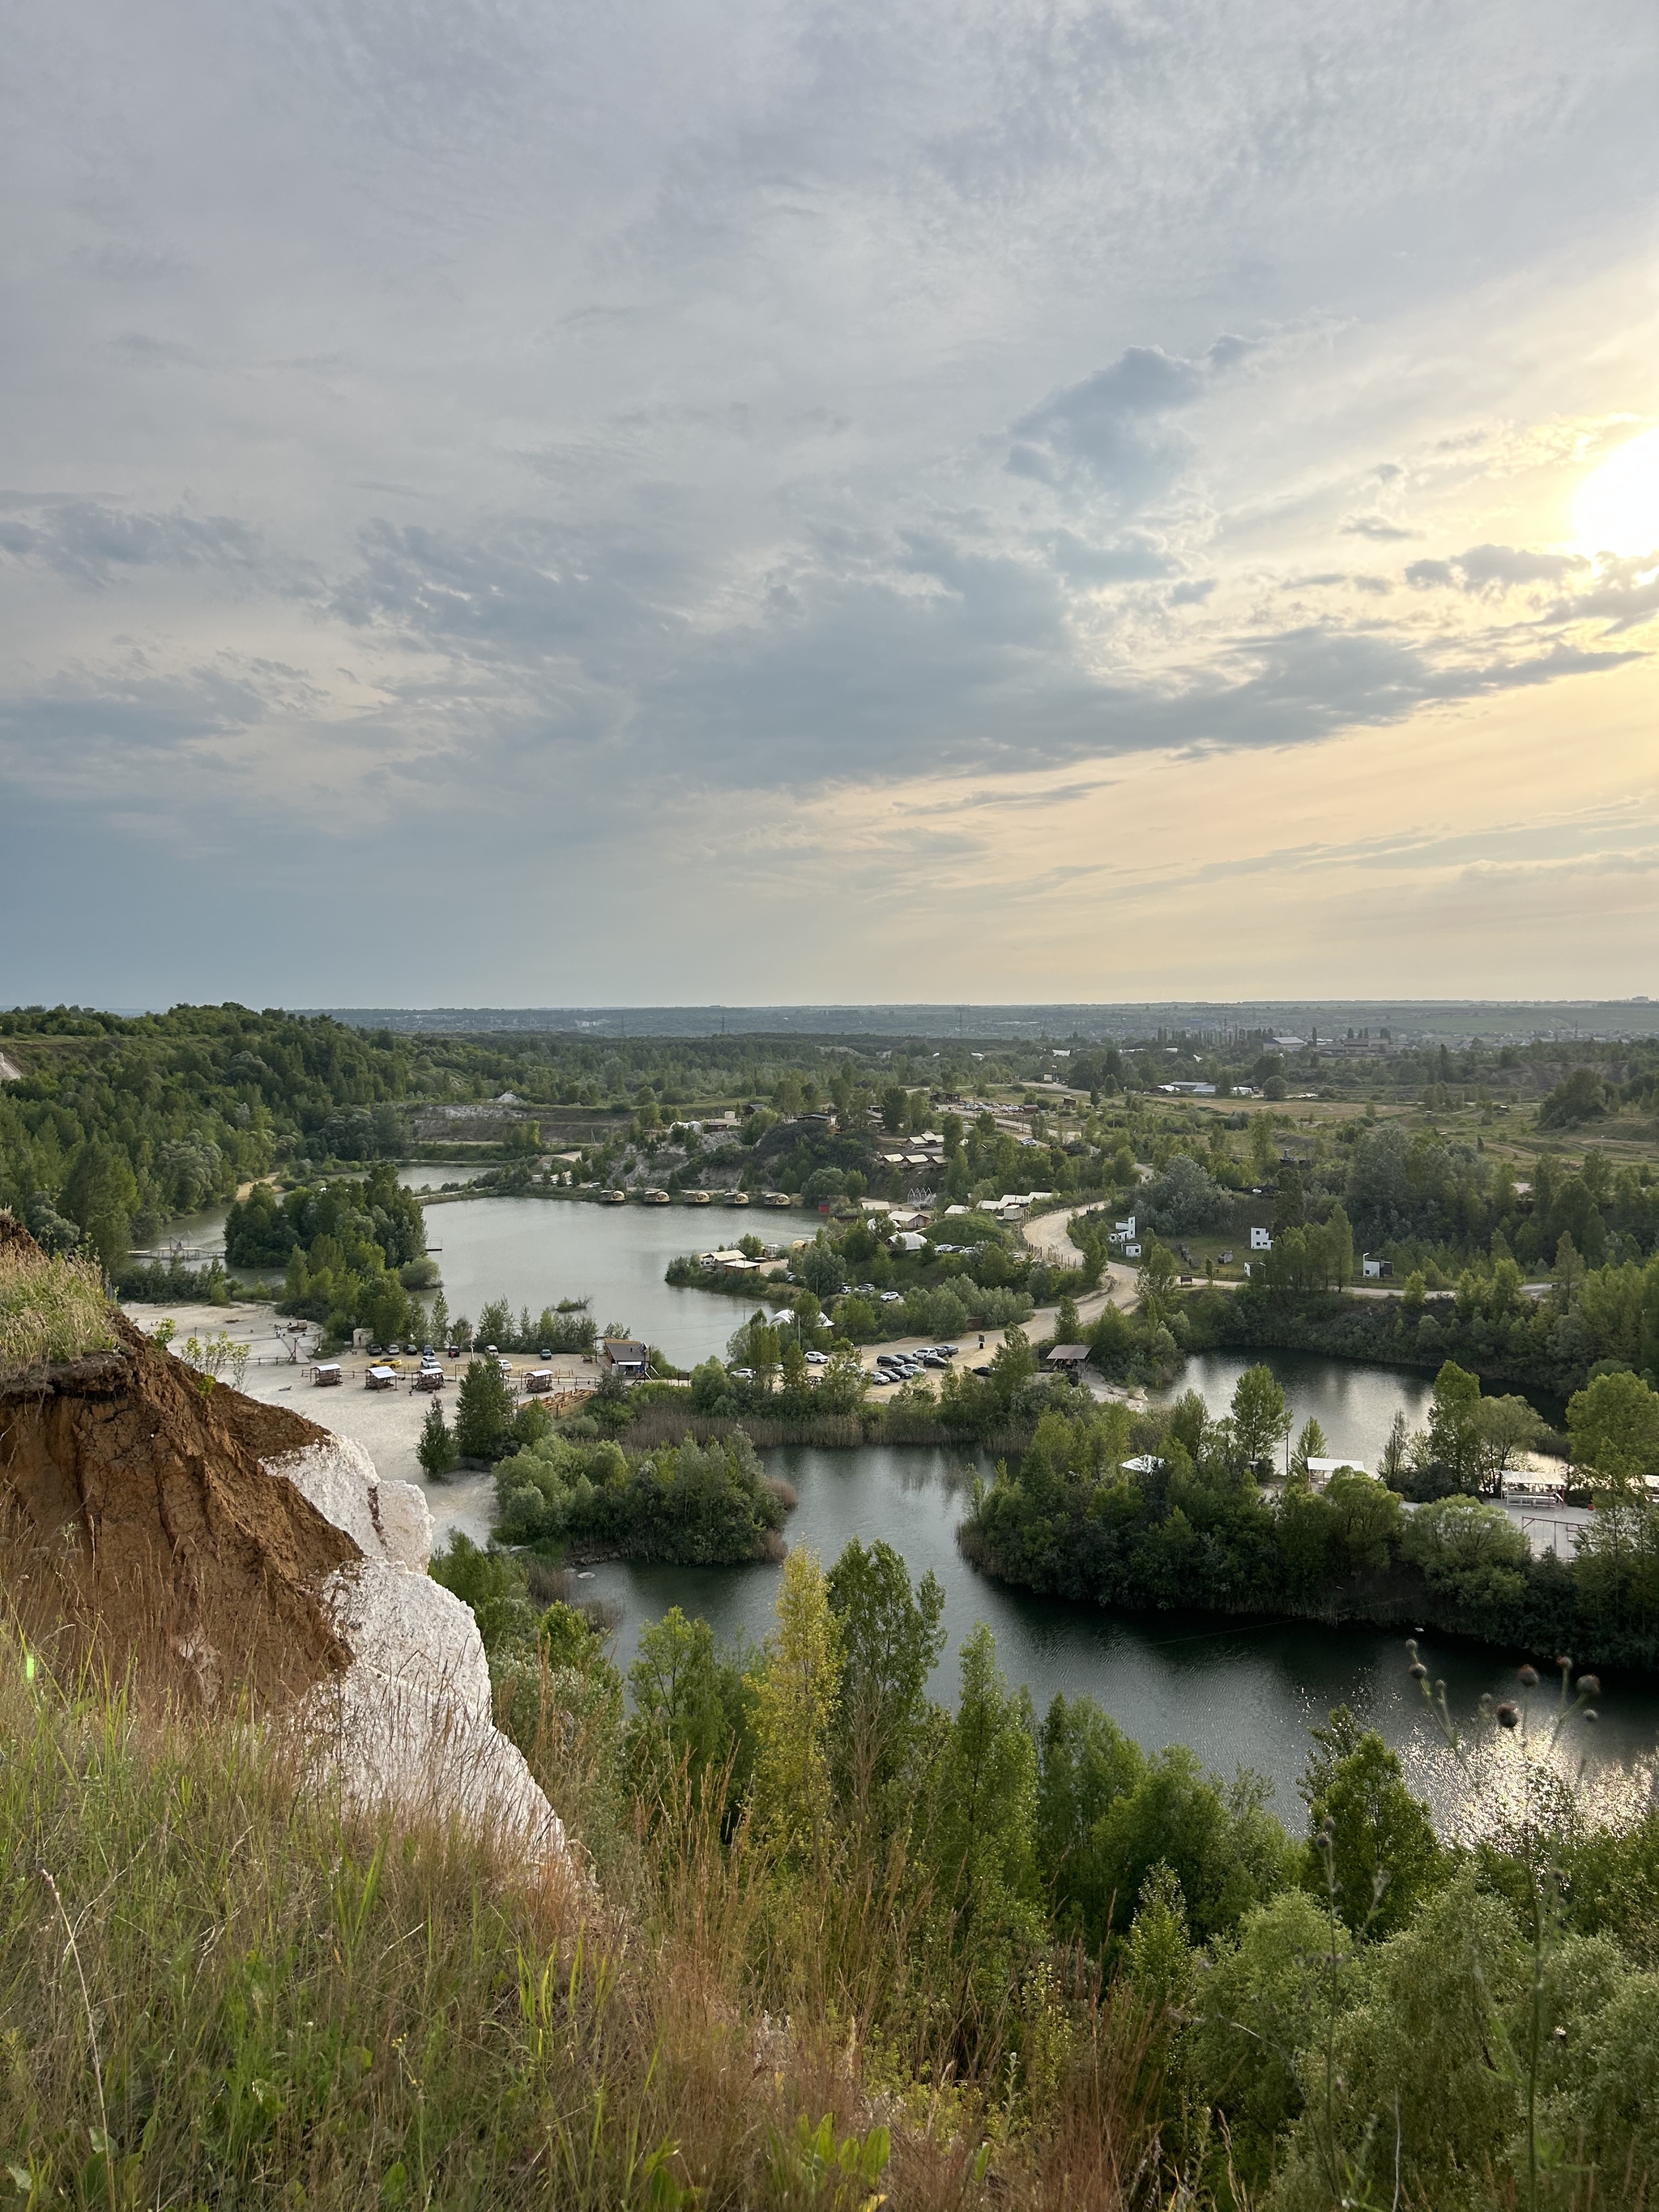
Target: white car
(892, 1297)
(818, 1360)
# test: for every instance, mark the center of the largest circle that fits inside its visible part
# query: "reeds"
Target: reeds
(51, 1310)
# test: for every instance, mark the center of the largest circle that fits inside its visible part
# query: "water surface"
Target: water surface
(1240, 1694)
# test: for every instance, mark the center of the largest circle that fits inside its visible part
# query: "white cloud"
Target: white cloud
(512, 429)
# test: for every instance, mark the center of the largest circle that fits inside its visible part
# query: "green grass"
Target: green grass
(51, 1309)
(248, 1996)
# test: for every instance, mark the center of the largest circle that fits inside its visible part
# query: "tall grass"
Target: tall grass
(217, 1986)
(51, 1309)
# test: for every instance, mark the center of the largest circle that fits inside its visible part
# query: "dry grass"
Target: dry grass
(51, 1310)
(288, 2004)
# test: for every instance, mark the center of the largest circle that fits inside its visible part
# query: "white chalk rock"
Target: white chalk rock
(410, 1721)
(385, 1520)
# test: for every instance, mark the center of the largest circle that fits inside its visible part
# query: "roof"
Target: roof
(1337, 1466)
(624, 1347)
(1069, 1355)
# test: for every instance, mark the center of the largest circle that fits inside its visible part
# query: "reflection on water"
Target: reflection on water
(1354, 1406)
(1240, 1694)
(534, 1251)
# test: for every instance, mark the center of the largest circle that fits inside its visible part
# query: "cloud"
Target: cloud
(1131, 559)
(90, 541)
(1377, 528)
(1493, 568)
(445, 435)
(1108, 429)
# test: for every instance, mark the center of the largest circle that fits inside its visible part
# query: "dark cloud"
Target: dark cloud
(1374, 526)
(90, 541)
(1109, 428)
(1487, 568)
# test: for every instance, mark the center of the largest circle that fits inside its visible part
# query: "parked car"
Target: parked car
(892, 1297)
(818, 1360)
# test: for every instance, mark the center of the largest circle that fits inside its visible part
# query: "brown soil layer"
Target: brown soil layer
(141, 1518)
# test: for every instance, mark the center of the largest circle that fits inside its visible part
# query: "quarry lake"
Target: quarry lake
(1242, 1694)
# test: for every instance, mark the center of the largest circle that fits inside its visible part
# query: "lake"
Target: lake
(1242, 1694)
(535, 1251)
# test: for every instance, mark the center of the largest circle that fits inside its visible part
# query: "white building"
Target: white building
(1261, 1240)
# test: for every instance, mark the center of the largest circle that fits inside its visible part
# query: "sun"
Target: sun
(1617, 509)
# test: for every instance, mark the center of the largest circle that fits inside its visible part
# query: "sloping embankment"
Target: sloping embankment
(208, 1542)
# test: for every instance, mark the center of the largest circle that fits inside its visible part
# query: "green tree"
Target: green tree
(1159, 1964)
(1613, 1424)
(1384, 1855)
(1290, 1207)
(1338, 1246)
(1311, 1444)
(1157, 1275)
(100, 1193)
(436, 1450)
(495, 1325)
(1471, 1550)
(844, 1383)
(1086, 1763)
(1505, 1429)
(682, 1717)
(483, 1411)
(890, 1642)
(982, 1840)
(1261, 1416)
(1454, 1426)
(1366, 1519)
(795, 1699)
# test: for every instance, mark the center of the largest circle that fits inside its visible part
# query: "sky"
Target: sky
(510, 503)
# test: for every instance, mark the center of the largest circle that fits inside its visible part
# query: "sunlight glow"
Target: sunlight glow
(1617, 509)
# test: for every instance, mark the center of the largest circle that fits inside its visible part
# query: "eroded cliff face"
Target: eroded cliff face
(140, 1512)
(215, 1544)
